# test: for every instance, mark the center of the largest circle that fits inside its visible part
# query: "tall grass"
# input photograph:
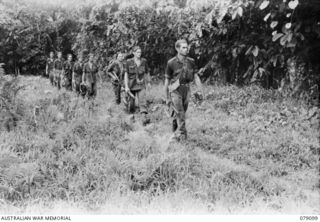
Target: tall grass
(250, 150)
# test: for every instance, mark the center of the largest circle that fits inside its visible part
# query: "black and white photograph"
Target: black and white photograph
(159, 107)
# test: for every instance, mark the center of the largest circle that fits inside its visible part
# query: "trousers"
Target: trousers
(180, 101)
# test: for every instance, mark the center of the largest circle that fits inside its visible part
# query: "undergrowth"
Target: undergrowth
(249, 148)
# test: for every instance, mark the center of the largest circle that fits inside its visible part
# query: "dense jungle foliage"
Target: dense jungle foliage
(272, 43)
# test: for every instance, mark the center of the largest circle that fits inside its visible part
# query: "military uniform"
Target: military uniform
(137, 81)
(90, 71)
(58, 72)
(50, 68)
(77, 76)
(117, 68)
(180, 73)
(67, 75)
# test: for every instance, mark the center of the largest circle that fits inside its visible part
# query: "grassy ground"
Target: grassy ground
(249, 151)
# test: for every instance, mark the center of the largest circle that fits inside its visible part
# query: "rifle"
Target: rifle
(129, 92)
(113, 76)
(170, 110)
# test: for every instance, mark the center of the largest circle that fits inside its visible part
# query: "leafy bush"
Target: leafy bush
(240, 42)
(12, 109)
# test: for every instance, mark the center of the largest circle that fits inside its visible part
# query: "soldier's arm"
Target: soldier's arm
(54, 65)
(167, 75)
(83, 73)
(166, 90)
(126, 77)
(148, 75)
(110, 67)
(47, 68)
(126, 80)
(73, 74)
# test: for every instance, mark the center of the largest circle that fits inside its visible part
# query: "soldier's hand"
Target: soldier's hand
(198, 97)
(201, 70)
(168, 101)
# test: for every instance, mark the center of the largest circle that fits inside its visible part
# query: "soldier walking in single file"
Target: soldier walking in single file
(180, 72)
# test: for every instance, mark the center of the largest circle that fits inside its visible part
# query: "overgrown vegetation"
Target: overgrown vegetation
(249, 148)
(274, 44)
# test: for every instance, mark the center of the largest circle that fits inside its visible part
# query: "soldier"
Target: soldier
(180, 72)
(58, 69)
(89, 76)
(67, 73)
(50, 66)
(135, 79)
(77, 75)
(116, 71)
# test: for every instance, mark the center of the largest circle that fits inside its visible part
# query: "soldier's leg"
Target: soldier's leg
(117, 91)
(185, 100)
(94, 89)
(77, 88)
(51, 77)
(177, 100)
(69, 84)
(129, 103)
(73, 86)
(54, 77)
(59, 79)
(89, 89)
(174, 125)
(142, 99)
(62, 81)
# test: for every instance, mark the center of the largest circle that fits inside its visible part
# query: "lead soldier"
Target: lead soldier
(180, 72)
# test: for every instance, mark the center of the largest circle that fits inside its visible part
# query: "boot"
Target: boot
(174, 125)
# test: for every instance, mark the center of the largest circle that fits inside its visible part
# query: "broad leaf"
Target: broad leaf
(240, 11)
(288, 25)
(283, 40)
(267, 17)
(273, 24)
(276, 36)
(293, 4)
(264, 5)
(255, 51)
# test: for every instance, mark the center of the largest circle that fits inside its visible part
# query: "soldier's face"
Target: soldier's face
(59, 55)
(120, 57)
(70, 58)
(80, 59)
(51, 54)
(137, 53)
(183, 50)
(91, 58)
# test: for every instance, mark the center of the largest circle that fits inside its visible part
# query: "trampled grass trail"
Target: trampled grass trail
(249, 151)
